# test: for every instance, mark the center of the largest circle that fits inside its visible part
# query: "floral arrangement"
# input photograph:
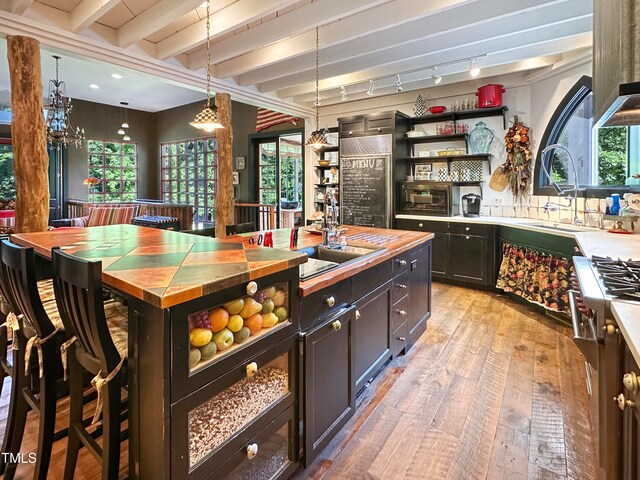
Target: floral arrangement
(6, 204)
(518, 165)
(91, 183)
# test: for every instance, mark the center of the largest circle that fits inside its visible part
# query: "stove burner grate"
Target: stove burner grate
(621, 278)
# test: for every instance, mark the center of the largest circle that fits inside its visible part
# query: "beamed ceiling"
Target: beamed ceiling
(263, 51)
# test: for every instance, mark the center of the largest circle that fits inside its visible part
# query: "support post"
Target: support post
(224, 196)
(29, 136)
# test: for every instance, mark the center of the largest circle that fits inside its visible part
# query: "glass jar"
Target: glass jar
(480, 138)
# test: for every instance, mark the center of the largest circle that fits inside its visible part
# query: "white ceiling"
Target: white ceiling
(263, 51)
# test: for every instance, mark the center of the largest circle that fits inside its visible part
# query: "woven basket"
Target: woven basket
(499, 180)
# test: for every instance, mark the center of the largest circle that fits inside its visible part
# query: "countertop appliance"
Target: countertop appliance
(595, 283)
(429, 198)
(471, 205)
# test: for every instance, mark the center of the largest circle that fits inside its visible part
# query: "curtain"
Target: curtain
(535, 276)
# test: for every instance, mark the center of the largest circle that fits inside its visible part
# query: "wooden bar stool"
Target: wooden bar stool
(241, 228)
(98, 346)
(38, 338)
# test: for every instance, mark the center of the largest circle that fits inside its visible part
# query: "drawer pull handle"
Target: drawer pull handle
(622, 402)
(252, 368)
(421, 225)
(358, 315)
(402, 312)
(467, 229)
(467, 237)
(402, 286)
(402, 263)
(337, 325)
(330, 301)
(252, 288)
(610, 329)
(402, 339)
(252, 451)
(630, 381)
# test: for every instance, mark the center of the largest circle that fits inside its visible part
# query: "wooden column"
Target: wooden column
(224, 196)
(28, 132)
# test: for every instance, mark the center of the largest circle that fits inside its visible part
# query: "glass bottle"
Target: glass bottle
(480, 138)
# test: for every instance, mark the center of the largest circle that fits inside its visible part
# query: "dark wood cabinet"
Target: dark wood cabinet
(629, 400)
(329, 395)
(461, 252)
(371, 334)
(419, 292)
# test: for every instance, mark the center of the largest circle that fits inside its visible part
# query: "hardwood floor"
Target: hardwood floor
(492, 390)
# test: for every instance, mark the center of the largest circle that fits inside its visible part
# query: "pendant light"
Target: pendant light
(123, 118)
(207, 119)
(318, 138)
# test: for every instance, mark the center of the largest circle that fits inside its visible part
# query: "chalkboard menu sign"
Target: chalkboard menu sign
(364, 190)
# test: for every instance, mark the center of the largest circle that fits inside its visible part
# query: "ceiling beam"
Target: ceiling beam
(226, 20)
(385, 16)
(298, 22)
(447, 29)
(159, 15)
(20, 6)
(88, 11)
(452, 46)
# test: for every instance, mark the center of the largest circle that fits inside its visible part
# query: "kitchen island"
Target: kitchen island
(173, 282)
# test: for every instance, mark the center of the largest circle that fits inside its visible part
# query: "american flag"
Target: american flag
(269, 118)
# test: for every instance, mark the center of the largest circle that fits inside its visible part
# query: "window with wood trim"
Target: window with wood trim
(190, 175)
(115, 165)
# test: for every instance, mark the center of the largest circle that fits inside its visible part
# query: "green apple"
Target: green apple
(208, 351)
(223, 339)
(281, 313)
(268, 306)
(235, 323)
(241, 335)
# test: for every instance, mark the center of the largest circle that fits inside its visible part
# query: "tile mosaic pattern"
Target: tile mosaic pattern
(163, 267)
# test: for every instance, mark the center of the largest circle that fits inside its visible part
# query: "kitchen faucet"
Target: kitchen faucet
(330, 226)
(559, 190)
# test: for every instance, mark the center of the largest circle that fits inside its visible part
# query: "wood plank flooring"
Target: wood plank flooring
(492, 391)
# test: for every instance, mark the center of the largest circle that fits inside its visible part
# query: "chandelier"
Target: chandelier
(318, 138)
(207, 119)
(59, 129)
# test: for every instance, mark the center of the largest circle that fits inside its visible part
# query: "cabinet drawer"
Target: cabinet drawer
(370, 279)
(212, 423)
(400, 263)
(199, 356)
(350, 126)
(317, 306)
(399, 313)
(270, 454)
(399, 339)
(422, 225)
(382, 123)
(468, 228)
(400, 287)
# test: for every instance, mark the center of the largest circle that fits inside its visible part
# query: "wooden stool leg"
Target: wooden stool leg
(3, 355)
(20, 412)
(47, 415)
(111, 430)
(12, 417)
(75, 414)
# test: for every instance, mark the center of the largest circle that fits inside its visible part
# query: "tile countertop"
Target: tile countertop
(591, 240)
(627, 315)
(161, 267)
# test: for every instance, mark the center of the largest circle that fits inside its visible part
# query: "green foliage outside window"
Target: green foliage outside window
(7, 180)
(114, 164)
(612, 155)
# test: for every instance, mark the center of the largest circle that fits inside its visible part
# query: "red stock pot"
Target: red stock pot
(490, 95)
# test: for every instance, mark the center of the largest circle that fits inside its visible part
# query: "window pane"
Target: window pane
(112, 160)
(95, 159)
(613, 155)
(129, 149)
(112, 147)
(128, 161)
(95, 146)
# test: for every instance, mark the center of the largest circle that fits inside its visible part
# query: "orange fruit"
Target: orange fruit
(254, 323)
(219, 318)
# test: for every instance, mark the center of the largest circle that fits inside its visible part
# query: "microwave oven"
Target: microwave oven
(429, 198)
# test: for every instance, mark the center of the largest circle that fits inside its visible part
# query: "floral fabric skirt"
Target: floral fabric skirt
(535, 276)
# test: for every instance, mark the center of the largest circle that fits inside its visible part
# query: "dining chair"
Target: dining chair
(97, 344)
(241, 228)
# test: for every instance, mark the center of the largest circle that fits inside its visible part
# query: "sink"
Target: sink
(322, 258)
(560, 228)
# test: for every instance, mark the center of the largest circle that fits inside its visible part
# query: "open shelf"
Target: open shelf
(463, 114)
(326, 184)
(448, 158)
(438, 138)
(333, 148)
(328, 167)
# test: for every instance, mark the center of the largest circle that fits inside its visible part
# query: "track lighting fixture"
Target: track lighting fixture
(372, 88)
(474, 70)
(436, 78)
(399, 86)
(343, 94)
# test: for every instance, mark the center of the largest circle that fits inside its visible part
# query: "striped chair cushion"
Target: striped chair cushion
(99, 216)
(123, 215)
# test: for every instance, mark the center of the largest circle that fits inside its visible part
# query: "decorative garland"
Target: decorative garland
(519, 156)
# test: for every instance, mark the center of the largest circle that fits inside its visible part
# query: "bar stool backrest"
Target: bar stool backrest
(77, 284)
(241, 228)
(5, 292)
(19, 272)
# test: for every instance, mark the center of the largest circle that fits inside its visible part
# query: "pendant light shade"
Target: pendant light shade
(318, 138)
(121, 131)
(207, 119)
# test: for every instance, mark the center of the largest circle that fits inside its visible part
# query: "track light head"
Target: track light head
(372, 88)
(474, 70)
(343, 94)
(399, 87)
(436, 78)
